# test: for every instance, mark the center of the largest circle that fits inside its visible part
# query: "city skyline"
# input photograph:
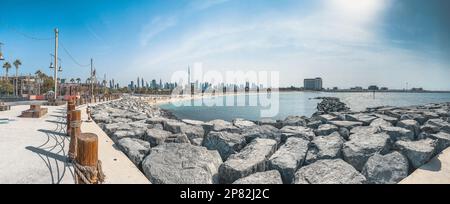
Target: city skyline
(358, 43)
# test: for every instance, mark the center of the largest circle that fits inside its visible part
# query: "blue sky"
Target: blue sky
(346, 42)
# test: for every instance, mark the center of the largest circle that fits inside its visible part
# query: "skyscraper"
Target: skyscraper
(189, 75)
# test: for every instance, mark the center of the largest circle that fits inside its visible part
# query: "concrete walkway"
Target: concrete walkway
(34, 150)
(436, 171)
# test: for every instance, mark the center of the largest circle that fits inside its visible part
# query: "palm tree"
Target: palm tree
(16, 64)
(6, 66)
(40, 74)
(78, 80)
(72, 80)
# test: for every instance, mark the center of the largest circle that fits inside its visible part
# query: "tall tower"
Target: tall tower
(189, 75)
(137, 82)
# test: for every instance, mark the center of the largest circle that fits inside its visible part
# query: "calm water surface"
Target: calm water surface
(290, 103)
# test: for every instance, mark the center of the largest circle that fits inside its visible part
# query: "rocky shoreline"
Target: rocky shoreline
(335, 145)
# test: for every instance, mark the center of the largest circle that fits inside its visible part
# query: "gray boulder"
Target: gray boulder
(430, 129)
(156, 120)
(329, 171)
(314, 124)
(225, 143)
(430, 115)
(135, 133)
(251, 159)
(365, 130)
(197, 141)
(272, 122)
(326, 129)
(120, 120)
(135, 149)
(113, 127)
(173, 126)
(326, 118)
(289, 157)
(181, 163)
(296, 131)
(192, 131)
(344, 133)
(267, 177)
(414, 116)
(442, 141)
(441, 124)
(242, 123)
(410, 125)
(222, 125)
(156, 136)
(346, 124)
(361, 117)
(398, 133)
(379, 122)
(101, 118)
(139, 116)
(193, 122)
(294, 121)
(361, 147)
(140, 124)
(177, 138)
(418, 152)
(264, 131)
(386, 169)
(325, 147)
(390, 119)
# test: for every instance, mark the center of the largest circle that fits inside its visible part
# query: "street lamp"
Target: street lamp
(1, 53)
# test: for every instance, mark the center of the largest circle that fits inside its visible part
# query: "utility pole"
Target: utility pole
(56, 62)
(92, 79)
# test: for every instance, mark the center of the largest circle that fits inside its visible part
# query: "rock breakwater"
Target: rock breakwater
(335, 145)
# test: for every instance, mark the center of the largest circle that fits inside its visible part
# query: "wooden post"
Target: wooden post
(70, 108)
(75, 132)
(87, 149)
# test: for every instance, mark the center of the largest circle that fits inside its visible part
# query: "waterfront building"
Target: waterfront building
(356, 88)
(373, 88)
(313, 84)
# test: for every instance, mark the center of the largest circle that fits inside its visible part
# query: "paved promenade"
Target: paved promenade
(34, 150)
(437, 171)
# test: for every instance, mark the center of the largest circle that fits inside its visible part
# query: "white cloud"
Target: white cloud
(322, 44)
(198, 5)
(155, 27)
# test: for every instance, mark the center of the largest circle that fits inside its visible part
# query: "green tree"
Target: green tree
(17, 64)
(5, 87)
(6, 66)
